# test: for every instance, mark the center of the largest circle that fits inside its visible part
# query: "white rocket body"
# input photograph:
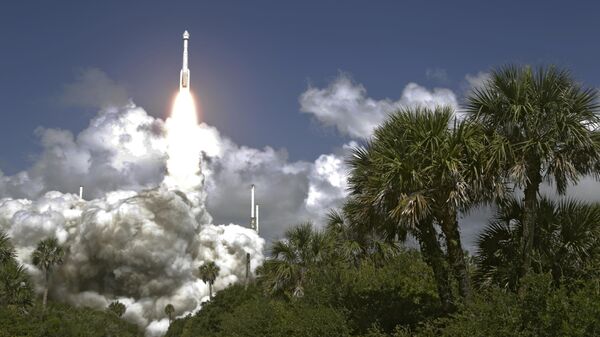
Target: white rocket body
(184, 75)
(253, 210)
(252, 202)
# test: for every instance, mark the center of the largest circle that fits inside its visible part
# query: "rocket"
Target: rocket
(184, 75)
(253, 211)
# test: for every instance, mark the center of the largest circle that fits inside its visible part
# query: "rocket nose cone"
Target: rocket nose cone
(186, 35)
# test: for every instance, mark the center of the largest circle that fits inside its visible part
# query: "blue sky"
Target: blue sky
(250, 60)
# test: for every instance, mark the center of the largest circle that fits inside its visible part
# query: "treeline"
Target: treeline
(535, 270)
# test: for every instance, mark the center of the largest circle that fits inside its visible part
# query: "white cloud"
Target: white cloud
(477, 80)
(345, 105)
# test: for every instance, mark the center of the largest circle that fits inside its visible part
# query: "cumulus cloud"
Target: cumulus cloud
(345, 105)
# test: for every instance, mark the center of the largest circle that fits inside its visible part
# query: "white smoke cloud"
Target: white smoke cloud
(346, 106)
(122, 148)
(141, 248)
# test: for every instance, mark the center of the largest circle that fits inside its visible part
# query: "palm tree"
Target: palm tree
(15, 286)
(208, 273)
(541, 126)
(46, 256)
(567, 242)
(292, 258)
(421, 171)
(7, 252)
(117, 308)
(356, 239)
(170, 311)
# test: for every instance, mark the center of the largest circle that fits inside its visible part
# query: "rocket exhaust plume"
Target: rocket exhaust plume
(183, 145)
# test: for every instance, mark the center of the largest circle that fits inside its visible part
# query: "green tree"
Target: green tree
(7, 252)
(566, 245)
(208, 273)
(15, 286)
(292, 257)
(117, 308)
(540, 125)
(170, 311)
(421, 168)
(355, 238)
(46, 256)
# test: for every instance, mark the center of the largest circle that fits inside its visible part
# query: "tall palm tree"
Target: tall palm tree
(170, 311)
(567, 241)
(422, 168)
(208, 273)
(46, 256)
(302, 248)
(542, 125)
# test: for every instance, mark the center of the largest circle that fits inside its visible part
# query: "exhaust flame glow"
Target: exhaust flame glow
(183, 145)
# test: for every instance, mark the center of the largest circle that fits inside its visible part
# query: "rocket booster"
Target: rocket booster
(184, 75)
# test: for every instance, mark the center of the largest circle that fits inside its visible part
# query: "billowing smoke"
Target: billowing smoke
(141, 246)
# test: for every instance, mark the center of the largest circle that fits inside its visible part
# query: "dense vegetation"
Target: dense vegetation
(535, 268)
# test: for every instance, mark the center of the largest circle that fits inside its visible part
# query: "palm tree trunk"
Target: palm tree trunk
(456, 256)
(45, 298)
(209, 290)
(434, 257)
(530, 201)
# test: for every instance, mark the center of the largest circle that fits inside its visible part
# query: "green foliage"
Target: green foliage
(15, 284)
(266, 317)
(303, 248)
(420, 169)
(541, 124)
(567, 242)
(339, 299)
(117, 308)
(7, 252)
(208, 273)
(542, 310)
(65, 321)
(238, 312)
(169, 311)
(47, 255)
(399, 292)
